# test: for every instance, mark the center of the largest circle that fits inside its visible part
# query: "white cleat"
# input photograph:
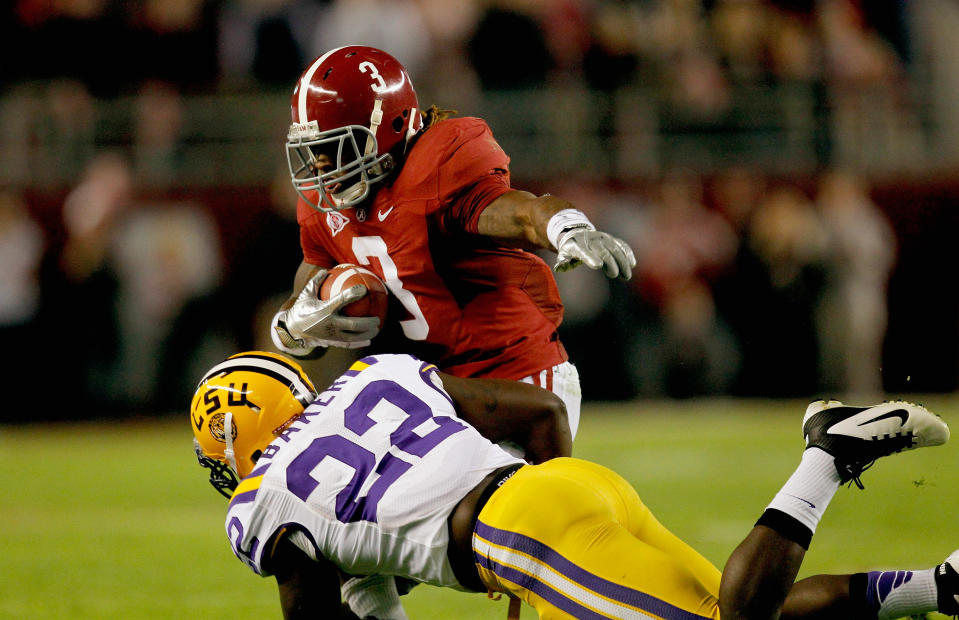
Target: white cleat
(857, 436)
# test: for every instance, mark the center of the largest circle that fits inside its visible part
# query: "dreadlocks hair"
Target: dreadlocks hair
(436, 114)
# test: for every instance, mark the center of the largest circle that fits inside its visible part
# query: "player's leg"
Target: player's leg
(877, 595)
(560, 536)
(841, 442)
(761, 570)
(644, 525)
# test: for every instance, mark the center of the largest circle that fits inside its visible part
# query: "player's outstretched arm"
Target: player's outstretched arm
(552, 223)
(308, 588)
(503, 409)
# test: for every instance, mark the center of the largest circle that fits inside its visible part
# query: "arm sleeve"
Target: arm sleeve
(464, 210)
(474, 173)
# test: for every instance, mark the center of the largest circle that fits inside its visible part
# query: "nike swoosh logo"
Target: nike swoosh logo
(806, 501)
(383, 214)
(898, 413)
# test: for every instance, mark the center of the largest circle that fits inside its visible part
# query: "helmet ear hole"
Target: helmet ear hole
(256, 455)
(398, 122)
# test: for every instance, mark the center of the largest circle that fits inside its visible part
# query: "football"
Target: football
(343, 276)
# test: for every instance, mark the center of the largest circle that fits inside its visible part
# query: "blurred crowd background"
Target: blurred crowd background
(785, 171)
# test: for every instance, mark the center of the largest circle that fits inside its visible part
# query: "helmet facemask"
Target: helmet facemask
(222, 476)
(353, 164)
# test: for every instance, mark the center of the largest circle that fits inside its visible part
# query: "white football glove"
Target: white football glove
(595, 249)
(311, 322)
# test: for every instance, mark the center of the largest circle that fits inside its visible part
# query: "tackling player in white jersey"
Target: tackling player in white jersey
(393, 470)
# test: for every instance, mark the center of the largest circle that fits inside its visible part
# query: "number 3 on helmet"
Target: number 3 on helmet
(354, 110)
(240, 407)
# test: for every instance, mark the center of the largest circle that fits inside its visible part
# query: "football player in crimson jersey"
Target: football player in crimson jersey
(425, 202)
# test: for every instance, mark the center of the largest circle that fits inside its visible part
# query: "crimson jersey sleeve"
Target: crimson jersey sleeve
(463, 166)
(464, 209)
(473, 173)
(470, 154)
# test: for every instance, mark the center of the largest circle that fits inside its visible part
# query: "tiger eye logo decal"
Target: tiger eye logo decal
(216, 427)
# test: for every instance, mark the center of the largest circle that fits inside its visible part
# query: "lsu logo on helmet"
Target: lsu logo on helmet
(216, 427)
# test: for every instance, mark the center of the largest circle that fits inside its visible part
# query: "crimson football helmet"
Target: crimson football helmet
(354, 110)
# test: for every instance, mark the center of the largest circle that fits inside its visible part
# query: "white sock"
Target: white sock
(902, 593)
(810, 489)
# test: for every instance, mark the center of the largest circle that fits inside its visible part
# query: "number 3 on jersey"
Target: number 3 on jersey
(365, 248)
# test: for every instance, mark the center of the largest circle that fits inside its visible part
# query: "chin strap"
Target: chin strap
(350, 195)
(411, 128)
(376, 117)
(228, 436)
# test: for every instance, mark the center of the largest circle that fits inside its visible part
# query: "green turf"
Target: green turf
(117, 521)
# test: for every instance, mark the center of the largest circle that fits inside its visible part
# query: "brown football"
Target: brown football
(343, 276)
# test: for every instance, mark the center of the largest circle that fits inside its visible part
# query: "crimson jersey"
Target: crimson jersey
(471, 306)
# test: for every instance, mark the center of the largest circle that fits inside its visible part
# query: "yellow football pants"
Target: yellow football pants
(573, 539)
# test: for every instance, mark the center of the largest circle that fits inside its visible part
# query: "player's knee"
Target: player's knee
(737, 604)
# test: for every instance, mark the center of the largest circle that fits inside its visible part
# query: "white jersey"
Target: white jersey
(368, 475)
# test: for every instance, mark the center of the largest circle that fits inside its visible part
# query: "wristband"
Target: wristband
(564, 220)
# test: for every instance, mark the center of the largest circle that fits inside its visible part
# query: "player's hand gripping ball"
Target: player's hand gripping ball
(343, 276)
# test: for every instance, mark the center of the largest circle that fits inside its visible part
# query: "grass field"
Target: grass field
(117, 521)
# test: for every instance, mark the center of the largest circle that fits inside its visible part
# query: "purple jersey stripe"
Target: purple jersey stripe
(546, 555)
(248, 496)
(243, 498)
(257, 471)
